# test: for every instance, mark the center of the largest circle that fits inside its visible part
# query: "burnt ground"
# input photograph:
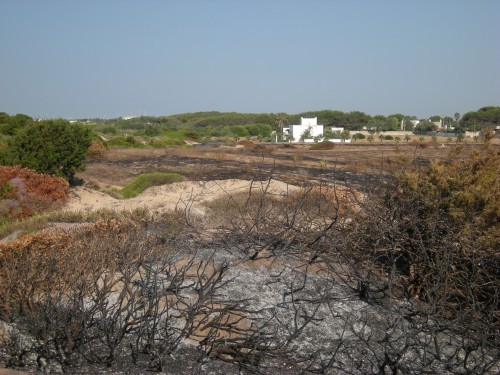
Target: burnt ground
(203, 169)
(362, 166)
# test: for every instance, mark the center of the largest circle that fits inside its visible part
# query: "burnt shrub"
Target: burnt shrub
(325, 145)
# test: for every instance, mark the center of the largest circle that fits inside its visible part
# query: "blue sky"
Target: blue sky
(104, 58)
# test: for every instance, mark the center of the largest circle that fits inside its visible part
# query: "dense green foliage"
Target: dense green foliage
(358, 136)
(126, 142)
(250, 124)
(10, 124)
(484, 117)
(54, 147)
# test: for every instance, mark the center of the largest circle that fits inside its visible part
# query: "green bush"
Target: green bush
(128, 141)
(54, 147)
(358, 136)
(388, 137)
(144, 181)
(5, 189)
(157, 143)
(108, 129)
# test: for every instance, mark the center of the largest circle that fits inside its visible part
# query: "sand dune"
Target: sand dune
(187, 194)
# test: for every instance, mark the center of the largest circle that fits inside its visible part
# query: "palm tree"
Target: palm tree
(457, 119)
(281, 120)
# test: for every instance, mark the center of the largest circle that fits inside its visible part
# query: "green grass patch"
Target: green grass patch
(144, 181)
(125, 142)
(23, 226)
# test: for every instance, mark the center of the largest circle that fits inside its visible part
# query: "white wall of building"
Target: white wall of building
(296, 131)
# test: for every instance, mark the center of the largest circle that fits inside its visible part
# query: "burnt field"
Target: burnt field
(281, 260)
(362, 166)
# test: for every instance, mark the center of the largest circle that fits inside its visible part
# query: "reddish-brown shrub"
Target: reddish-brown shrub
(30, 192)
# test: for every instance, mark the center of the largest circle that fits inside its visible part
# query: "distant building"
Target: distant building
(306, 131)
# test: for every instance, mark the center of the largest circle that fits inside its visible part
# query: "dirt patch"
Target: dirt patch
(188, 195)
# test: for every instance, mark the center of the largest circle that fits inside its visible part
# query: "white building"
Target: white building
(308, 127)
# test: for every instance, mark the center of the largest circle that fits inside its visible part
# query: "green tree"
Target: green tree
(425, 126)
(393, 123)
(398, 116)
(408, 123)
(10, 124)
(356, 120)
(306, 134)
(345, 135)
(54, 147)
(358, 136)
(264, 130)
(327, 133)
(484, 117)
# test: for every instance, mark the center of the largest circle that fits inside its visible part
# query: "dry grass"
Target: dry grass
(291, 163)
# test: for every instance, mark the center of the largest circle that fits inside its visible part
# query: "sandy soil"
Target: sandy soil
(182, 195)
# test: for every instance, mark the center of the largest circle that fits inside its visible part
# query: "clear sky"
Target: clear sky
(105, 58)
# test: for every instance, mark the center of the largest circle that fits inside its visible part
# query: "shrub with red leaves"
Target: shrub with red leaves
(25, 192)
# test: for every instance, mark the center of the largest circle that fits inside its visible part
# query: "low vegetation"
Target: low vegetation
(147, 180)
(325, 145)
(24, 193)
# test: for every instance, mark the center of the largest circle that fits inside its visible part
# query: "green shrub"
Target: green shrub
(358, 136)
(157, 143)
(389, 137)
(144, 181)
(108, 129)
(128, 141)
(173, 142)
(54, 147)
(5, 189)
(165, 142)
